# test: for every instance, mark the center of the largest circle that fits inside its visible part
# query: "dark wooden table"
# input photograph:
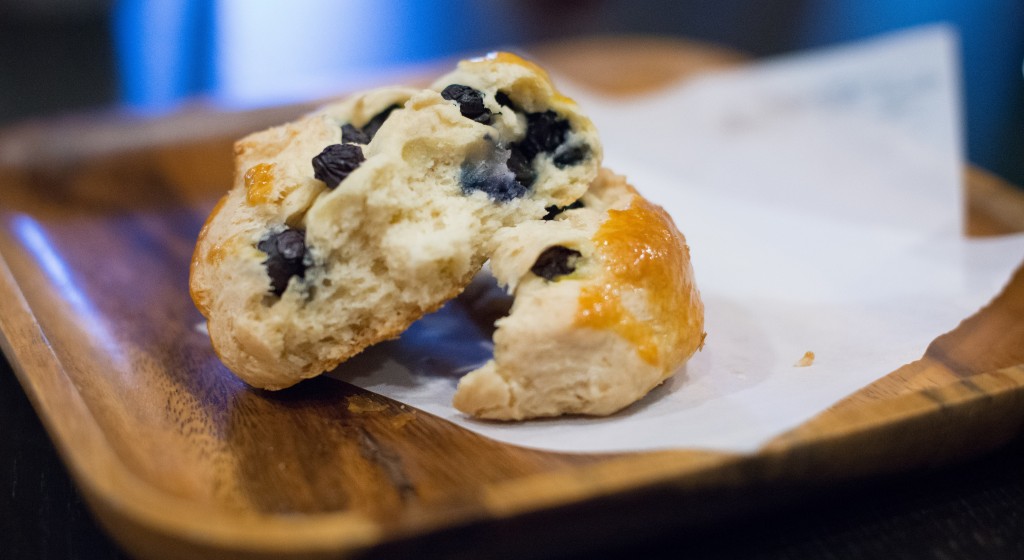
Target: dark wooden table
(968, 511)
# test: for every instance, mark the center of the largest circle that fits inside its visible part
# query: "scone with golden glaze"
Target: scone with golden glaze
(605, 309)
(345, 226)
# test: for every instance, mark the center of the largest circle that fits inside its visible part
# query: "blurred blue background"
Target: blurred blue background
(61, 55)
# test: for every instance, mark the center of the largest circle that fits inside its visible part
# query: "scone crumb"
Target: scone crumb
(400, 420)
(358, 404)
(807, 360)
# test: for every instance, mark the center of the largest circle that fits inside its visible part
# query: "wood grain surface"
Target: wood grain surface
(179, 459)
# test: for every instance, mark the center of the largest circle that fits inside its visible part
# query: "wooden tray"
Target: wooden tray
(178, 459)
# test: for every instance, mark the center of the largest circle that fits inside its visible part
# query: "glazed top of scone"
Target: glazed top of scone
(640, 248)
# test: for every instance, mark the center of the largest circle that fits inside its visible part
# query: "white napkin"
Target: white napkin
(820, 195)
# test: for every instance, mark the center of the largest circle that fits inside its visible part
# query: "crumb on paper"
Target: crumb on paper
(807, 360)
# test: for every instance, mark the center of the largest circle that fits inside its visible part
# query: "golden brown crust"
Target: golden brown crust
(642, 251)
(199, 254)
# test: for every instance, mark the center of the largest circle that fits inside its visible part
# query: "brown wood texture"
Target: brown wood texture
(179, 459)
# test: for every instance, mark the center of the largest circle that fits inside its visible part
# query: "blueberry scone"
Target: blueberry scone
(605, 309)
(345, 226)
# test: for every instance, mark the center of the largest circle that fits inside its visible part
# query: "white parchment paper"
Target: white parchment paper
(820, 195)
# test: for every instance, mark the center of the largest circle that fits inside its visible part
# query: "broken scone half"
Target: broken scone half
(605, 309)
(345, 226)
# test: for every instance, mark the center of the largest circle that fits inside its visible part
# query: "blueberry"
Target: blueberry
(495, 180)
(520, 166)
(286, 251)
(492, 172)
(555, 261)
(471, 102)
(351, 134)
(513, 177)
(571, 155)
(373, 125)
(556, 210)
(545, 132)
(505, 101)
(334, 164)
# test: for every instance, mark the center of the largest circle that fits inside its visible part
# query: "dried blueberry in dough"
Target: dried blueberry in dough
(553, 211)
(492, 175)
(373, 125)
(521, 166)
(555, 261)
(545, 132)
(352, 135)
(568, 155)
(505, 101)
(286, 252)
(335, 163)
(471, 102)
